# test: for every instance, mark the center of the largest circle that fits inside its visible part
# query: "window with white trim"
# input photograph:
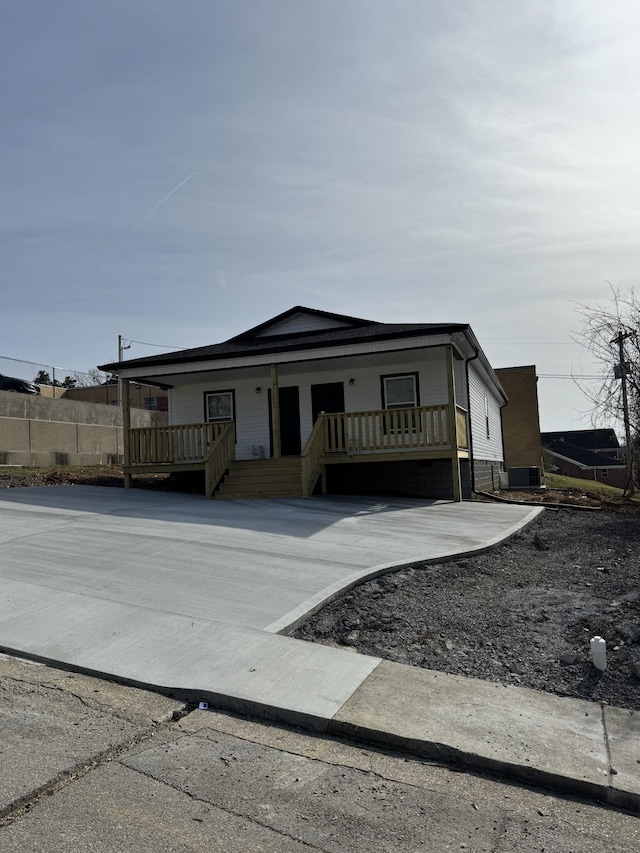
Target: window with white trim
(219, 406)
(400, 392)
(604, 473)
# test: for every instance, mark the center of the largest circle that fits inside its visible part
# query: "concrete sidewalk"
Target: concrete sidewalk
(574, 746)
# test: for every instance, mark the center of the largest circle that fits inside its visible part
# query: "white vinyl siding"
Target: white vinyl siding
(252, 412)
(481, 395)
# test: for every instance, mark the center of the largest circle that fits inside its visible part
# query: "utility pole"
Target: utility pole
(621, 373)
(121, 349)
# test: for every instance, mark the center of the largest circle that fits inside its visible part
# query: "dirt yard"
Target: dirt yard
(522, 614)
(91, 475)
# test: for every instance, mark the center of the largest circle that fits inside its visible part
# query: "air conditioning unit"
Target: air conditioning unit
(525, 478)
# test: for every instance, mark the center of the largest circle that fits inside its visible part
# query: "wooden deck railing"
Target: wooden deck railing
(311, 458)
(173, 444)
(386, 429)
(219, 456)
(461, 428)
(378, 431)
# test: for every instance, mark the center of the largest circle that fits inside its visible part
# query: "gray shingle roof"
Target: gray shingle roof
(582, 456)
(249, 344)
(589, 439)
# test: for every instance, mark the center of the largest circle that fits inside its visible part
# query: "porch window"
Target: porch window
(219, 406)
(400, 391)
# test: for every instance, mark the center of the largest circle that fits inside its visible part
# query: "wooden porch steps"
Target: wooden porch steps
(261, 478)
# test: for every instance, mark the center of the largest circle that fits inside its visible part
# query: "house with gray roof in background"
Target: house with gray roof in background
(587, 454)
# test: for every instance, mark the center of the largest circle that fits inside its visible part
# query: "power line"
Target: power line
(566, 376)
(160, 346)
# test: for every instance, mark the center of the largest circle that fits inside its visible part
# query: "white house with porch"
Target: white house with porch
(311, 401)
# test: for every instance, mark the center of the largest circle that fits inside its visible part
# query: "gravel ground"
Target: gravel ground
(521, 614)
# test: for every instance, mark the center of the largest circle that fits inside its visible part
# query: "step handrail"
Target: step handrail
(311, 457)
(218, 458)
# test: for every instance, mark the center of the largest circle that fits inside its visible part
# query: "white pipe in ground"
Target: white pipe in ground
(599, 653)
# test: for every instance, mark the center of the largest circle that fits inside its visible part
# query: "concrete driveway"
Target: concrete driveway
(172, 591)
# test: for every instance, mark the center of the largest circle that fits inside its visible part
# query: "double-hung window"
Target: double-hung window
(219, 406)
(400, 391)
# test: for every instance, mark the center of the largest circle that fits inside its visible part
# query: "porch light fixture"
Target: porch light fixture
(352, 381)
(258, 389)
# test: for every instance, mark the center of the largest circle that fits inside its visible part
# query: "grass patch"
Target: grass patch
(557, 481)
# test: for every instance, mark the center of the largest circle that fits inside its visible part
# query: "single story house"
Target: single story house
(588, 454)
(313, 401)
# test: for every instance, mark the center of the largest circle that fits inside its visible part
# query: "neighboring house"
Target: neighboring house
(314, 401)
(589, 454)
(601, 440)
(520, 417)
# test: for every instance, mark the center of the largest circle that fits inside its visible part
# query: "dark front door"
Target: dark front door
(289, 421)
(328, 397)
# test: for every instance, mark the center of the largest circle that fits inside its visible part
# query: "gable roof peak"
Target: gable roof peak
(326, 317)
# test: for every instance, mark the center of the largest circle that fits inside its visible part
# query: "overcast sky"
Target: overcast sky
(177, 172)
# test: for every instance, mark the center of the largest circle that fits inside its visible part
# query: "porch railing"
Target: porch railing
(173, 444)
(378, 431)
(312, 457)
(219, 456)
(386, 429)
(461, 428)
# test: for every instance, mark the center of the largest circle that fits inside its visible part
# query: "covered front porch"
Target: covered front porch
(379, 435)
(292, 429)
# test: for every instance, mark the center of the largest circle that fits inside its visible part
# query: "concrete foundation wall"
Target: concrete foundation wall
(465, 479)
(486, 475)
(41, 431)
(430, 478)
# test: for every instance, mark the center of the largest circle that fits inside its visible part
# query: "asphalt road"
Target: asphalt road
(86, 765)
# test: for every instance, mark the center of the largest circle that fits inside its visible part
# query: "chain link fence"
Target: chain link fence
(51, 375)
(91, 386)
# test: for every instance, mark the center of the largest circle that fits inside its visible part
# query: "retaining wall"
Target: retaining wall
(40, 431)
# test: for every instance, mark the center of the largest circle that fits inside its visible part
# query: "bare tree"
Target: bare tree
(89, 378)
(612, 335)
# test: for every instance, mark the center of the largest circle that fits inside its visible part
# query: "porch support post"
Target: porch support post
(453, 424)
(126, 426)
(275, 412)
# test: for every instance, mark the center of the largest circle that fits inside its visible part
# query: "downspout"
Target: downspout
(504, 454)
